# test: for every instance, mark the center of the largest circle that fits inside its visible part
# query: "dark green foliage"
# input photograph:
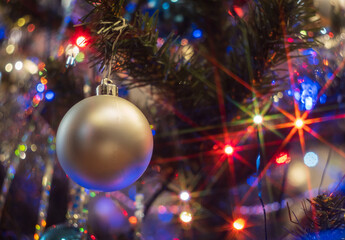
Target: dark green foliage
(329, 212)
(258, 43)
(133, 50)
(325, 218)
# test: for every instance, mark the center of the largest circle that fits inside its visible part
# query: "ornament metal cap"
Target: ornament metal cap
(107, 87)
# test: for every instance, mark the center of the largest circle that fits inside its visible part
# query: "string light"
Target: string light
(197, 33)
(133, 220)
(283, 158)
(257, 119)
(19, 65)
(81, 41)
(299, 123)
(184, 196)
(239, 224)
(228, 150)
(31, 27)
(186, 217)
(49, 95)
(10, 49)
(8, 67)
(21, 22)
(40, 87)
(165, 6)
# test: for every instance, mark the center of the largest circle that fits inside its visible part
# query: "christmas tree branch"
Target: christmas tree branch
(169, 70)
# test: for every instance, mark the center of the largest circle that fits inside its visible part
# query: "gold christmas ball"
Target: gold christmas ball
(104, 143)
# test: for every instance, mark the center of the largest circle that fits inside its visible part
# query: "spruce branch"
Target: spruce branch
(167, 68)
(325, 221)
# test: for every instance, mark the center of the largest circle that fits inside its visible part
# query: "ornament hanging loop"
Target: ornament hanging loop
(107, 87)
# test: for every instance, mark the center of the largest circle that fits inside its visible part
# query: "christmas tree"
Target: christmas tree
(240, 132)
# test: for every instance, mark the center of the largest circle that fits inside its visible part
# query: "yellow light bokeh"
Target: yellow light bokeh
(21, 22)
(10, 49)
(239, 224)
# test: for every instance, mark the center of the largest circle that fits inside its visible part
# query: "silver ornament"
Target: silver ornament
(104, 142)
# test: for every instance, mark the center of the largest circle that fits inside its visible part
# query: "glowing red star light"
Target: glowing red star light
(228, 150)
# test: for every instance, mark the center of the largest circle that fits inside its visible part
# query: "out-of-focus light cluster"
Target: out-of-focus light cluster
(41, 87)
(46, 187)
(30, 66)
(26, 65)
(257, 209)
(307, 90)
(21, 151)
(73, 53)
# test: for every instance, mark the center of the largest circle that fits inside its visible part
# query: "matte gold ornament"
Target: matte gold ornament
(104, 142)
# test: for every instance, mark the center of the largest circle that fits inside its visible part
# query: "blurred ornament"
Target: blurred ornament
(104, 142)
(106, 216)
(59, 232)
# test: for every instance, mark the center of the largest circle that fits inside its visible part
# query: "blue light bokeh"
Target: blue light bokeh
(311, 159)
(50, 95)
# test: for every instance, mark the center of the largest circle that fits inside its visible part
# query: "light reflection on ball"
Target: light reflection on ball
(104, 143)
